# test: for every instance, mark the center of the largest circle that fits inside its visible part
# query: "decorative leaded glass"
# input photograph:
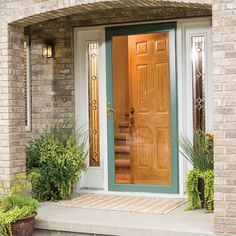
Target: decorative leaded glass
(198, 70)
(93, 57)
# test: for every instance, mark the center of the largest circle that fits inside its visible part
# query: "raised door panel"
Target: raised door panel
(142, 88)
(161, 87)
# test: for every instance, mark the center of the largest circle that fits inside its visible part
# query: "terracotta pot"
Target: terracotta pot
(201, 187)
(24, 226)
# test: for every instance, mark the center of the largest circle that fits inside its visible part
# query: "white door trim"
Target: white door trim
(185, 30)
(94, 176)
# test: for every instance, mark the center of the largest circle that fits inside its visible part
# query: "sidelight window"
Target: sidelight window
(198, 45)
(93, 58)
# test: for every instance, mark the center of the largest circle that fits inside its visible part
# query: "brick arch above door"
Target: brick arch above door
(48, 10)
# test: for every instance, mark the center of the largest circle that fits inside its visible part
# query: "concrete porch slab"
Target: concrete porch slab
(57, 220)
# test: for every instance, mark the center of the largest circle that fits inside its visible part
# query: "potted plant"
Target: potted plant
(199, 185)
(17, 212)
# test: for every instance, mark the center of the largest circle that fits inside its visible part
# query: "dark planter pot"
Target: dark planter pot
(201, 186)
(24, 226)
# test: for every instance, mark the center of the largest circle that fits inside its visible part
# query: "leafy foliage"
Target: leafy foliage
(15, 205)
(11, 216)
(20, 187)
(13, 201)
(208, 177)
(55, 161)
(199, 152)
(192, 189)
(32, 153)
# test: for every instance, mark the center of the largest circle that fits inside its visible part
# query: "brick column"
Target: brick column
(16, 99)
(12, 142)
(4, 110)
(224, 93)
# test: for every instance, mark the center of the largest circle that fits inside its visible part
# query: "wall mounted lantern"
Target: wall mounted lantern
(47, 50)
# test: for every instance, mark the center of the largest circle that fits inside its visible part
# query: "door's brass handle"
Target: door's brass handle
(110, 109)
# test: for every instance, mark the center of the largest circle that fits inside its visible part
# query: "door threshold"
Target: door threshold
(85, 190)
(91, 189)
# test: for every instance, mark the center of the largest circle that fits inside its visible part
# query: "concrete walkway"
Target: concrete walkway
(56, 220)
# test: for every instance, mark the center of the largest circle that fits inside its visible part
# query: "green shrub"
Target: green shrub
(55, 162)
(42, 188)
(33, 153)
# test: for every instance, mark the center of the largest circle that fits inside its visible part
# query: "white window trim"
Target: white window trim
(28, 84)
(82, 38)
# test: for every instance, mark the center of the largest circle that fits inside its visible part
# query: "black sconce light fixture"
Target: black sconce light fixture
(48, 50)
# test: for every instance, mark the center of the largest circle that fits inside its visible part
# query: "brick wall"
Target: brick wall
(51, 9)
(11, 96)
(16, 99)
(52, 79)
(4, 110)
(224, 81)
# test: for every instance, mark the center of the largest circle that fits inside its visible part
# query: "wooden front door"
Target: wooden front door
(149, 108)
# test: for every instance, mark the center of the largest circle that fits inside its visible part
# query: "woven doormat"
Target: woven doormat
(124, 203)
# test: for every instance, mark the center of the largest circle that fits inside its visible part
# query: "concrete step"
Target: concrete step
(39, 232)
(53, 219)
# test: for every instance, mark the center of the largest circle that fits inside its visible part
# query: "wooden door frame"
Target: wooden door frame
(132, 30)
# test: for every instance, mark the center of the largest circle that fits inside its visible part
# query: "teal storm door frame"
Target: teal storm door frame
(133, 30)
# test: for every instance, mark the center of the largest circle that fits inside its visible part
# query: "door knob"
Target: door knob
(131, 120)
(131, 110)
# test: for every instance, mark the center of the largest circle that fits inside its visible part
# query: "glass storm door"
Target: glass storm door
(141, 108)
